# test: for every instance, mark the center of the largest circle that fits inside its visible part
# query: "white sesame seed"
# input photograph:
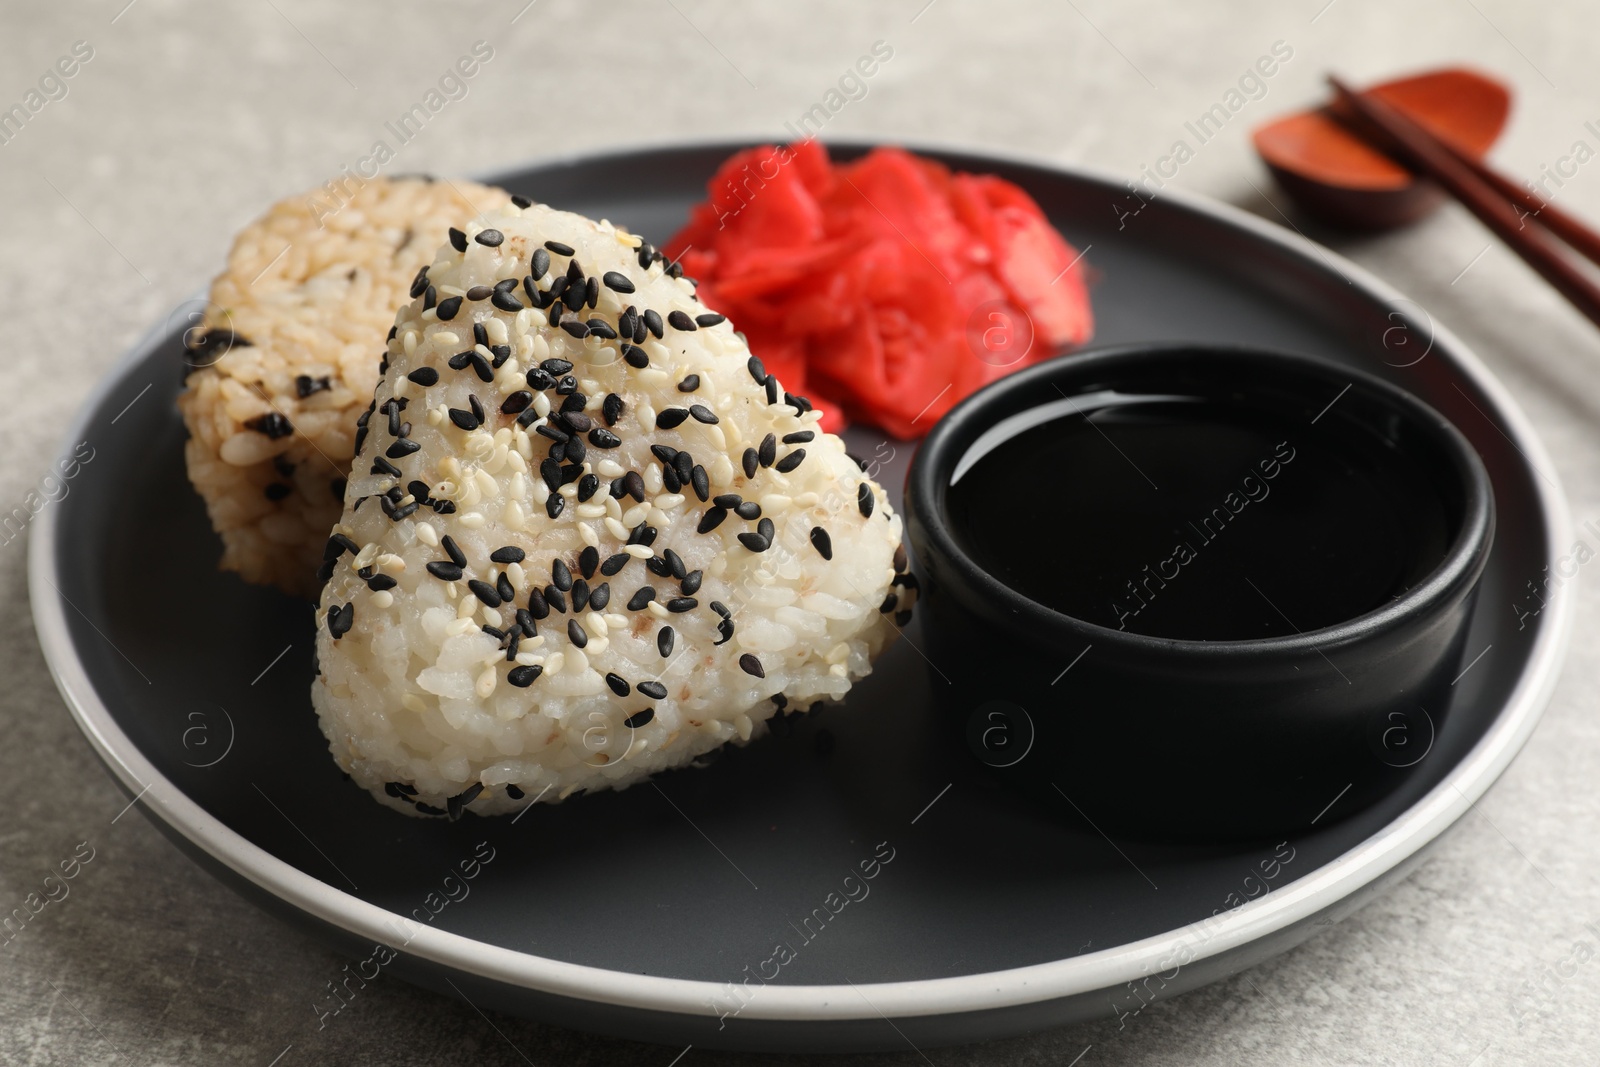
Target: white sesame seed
(610, 468)
(484, 687)
(383, 599)
(427, 534)
(658, 609)
(637, 551)
(445, 338)
(591, 511)
(586, 532)
(473, 520)
(620, 532)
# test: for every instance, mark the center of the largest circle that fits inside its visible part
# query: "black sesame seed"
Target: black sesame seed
(751, 460)
(522, 677)
(419, 284)
(635, 357)
(555, 598)
(683, 466)
(383, 466)
(603, 438)
(757, 369)
(575, 328)
(553, 505)
(619, 684)
(680, 604)
(273, 424)
(573, 418)
(305, 385)
(639, 718)
(724, 632)
(538, 606)
(580, 595)
(691, 583)
(765, 529)
(588, 560)
(633, 485)
(865, 499)
(481, 366)
(710, 318)
(575, 401)
(727, 500)
(701, 481)
(588, 486)
(506, 300)
(618, 282)
(490, 238)
(653, 690)
(721, 609)
(680, 321)
(516, 403)
(340, 543)
(614, 563)
(540, 379)
(711, 520)
(458, 240)
(674, 563)
(658, 567)
(464, 420)
(602, 329)
(639, 599)
(791, 461)
(900, 557)
(558, 248)
(525, 621)
(401, 449)
(772, 390)
(512, 791)
(478, 292)
(448, 307)
(508, 554)
(453, 550)
(768, 450)
(822, 542)
(539, 263)
(576, 633)
(561, 574)
(502, 586)
(703, 414)
(798, 438)
(484, 592)
(642, 534)
(430, 297)
(754, 542)
(689, 384)
(751, 665)
(670, 418)
(445, 571)
(664, 641)
(459, 361)
(550, 471)
(748, 510)
(653, 323)
(340, 619)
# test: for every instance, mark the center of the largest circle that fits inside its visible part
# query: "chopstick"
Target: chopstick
(1486, 197)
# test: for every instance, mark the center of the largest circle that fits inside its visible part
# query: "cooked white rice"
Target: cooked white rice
(287, 356)
(458, 671)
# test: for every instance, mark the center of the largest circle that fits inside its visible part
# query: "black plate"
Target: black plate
(626, 912)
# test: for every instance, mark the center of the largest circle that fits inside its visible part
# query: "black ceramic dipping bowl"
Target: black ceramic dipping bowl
(1168, 628)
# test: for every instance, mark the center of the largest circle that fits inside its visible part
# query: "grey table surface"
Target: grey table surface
(119, 198)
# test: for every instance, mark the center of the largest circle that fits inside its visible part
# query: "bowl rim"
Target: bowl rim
(946, 443)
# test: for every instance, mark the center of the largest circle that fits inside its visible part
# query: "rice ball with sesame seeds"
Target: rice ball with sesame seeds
(287, 354)
(587, 536)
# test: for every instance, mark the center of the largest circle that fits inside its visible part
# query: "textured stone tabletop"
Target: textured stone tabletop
(179, 123)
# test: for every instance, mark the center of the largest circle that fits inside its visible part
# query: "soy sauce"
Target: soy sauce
(1197, 518)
